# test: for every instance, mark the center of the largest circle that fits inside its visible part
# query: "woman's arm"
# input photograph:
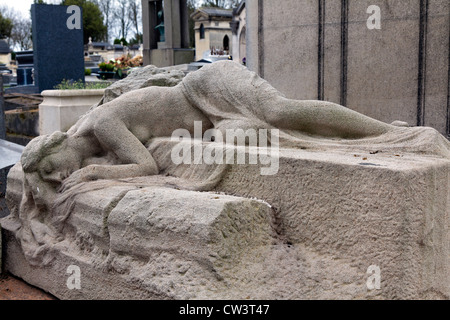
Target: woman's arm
(134, 159)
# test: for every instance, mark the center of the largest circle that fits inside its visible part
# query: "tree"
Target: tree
(92, 19)
(106, 7)
(18, 31)
(21, 34)
(6, 26)
(226, 4)
(121, 15)
(134, 14)
(138, 39)
(122, 41)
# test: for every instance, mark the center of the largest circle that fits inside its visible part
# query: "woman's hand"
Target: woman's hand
(82, 175)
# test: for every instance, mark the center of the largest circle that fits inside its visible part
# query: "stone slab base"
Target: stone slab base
(331, 217)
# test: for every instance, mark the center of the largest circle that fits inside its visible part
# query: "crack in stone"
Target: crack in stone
(107, 211)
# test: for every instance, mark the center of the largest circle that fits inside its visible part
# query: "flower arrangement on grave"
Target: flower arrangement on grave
(107, 70)
(121, 65)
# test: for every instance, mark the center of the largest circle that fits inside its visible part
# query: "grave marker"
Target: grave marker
(58, 50)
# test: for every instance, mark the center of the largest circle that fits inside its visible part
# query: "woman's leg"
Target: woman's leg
(322, 118)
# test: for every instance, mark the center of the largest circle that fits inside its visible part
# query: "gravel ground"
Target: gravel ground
(12, 288)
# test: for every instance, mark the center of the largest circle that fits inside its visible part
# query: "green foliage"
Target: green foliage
(87, 72)
(110, 67)
(120, 41)
(6, 26)
(92, 19)
(137, 39)
(79, 85)
(106, 66)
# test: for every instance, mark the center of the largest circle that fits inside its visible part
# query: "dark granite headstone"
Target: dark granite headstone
(24, 59)
(58, 49)
(24, 67)
(24, 76)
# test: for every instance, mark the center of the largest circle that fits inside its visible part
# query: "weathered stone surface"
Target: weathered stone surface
(22, 123)
(345, 192)
(372, 208)
(142, 78)
(121, 231)
(396, 72)
(332, 216)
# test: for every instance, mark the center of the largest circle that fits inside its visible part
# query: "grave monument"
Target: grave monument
(166, 33)
(57, 45)
(351, 194)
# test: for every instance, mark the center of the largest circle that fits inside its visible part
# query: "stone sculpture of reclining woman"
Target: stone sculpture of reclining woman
(118, 131)
(109, 142)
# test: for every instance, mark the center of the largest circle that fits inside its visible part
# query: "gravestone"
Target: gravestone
(25, 67)
(57, 45)
(25, 78)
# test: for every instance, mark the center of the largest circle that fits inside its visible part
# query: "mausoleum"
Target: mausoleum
(212, 32)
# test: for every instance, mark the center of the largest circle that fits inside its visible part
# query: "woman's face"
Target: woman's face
(56, 167)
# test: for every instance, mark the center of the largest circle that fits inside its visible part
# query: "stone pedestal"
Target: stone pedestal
(62, 108)
(311, 231)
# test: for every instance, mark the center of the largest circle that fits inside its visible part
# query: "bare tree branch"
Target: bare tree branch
(121, 14)
(106, 6)
(135, 15)
(20, 35)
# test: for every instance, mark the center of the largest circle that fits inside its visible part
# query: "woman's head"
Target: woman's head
(41, 147)
(52, 157)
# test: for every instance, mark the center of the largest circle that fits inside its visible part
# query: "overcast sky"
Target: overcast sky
(22, 6)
